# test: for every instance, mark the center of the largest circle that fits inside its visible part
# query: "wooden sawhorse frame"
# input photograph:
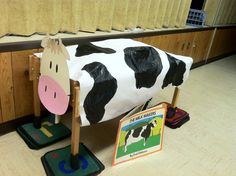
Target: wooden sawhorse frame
(34, 73)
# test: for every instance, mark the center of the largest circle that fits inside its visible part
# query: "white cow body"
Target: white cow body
(114, 78)
(126, 94)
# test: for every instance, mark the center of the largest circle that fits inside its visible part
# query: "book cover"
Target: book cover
(140, 133)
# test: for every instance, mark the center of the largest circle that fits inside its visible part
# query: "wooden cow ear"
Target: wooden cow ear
(44, 42)
(59, 41)
(63, 49)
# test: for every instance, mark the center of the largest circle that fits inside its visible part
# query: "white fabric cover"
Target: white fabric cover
(127, 95)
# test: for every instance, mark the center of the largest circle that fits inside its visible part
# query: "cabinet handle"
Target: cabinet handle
(183, 45)
(188, 46)
(26, 73)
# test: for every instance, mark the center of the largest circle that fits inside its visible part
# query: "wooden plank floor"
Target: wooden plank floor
(205, 146)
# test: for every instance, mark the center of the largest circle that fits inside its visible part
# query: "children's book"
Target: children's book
(140, 133)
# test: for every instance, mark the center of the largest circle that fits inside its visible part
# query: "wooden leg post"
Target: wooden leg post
(34, 67)
(175, 97)
(75, 136)
(57, 119)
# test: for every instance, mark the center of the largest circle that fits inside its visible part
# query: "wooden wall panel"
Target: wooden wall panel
(23, 88)
(6, 87)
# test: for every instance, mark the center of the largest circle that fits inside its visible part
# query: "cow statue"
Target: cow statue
(116, 75)
(137, 134)
(54, 83)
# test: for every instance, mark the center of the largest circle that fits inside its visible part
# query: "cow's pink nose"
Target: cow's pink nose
(52, 96)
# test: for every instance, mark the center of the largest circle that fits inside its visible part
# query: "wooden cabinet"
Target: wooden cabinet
(16, 94)
(224, 42)
(0, 112)
(201, 45)
(193, 44)
(22, 86)
(163, 42)
(186, 43)
(16, 90)
(6, 87)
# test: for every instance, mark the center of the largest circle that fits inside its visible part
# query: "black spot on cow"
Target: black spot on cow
(104, 88)
(146, 133)
(146, 64)
(175, 73)
(89, 48)
(137, 131)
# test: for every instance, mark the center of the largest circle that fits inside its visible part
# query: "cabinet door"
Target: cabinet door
(167, 42)
(162, 42)
(151, 40)
(224, 42)
(186, 43)
(174, 43)
(23, 88)
(193, 44)
(180, 43)
(140, 39)
(6, 86)
(201, 45)
(0, 112)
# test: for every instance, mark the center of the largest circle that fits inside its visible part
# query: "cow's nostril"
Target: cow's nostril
(46, 88)
(55, 94)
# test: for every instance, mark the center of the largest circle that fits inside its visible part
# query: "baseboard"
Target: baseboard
(198, 64)
(210, 60)
(10, 126)
(219, 57)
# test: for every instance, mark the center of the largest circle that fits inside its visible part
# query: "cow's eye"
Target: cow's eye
(56, 68)
(50, 66)
(46, 88)
(55, 95)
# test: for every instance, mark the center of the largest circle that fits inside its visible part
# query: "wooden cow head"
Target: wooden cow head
(54, 83)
